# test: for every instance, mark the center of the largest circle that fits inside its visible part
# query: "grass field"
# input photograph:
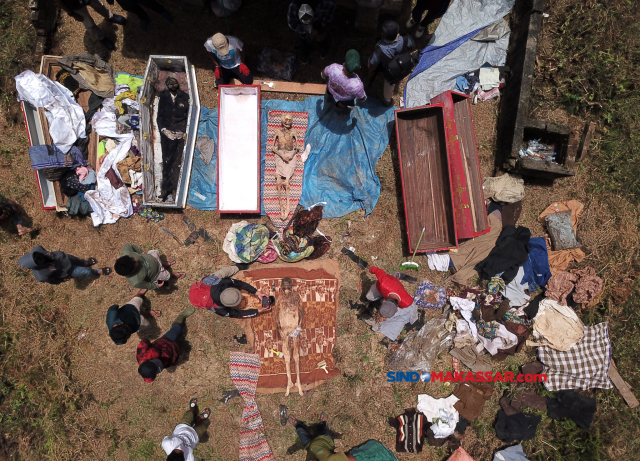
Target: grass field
(62, 398)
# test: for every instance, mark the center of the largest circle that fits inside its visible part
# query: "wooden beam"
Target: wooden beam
(572, 149)
(587, 136)
(623, 387)
(289, 87)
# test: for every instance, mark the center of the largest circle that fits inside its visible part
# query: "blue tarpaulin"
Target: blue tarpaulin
(340, 169)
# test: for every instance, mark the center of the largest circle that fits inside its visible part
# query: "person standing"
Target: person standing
(221, 294)
(226, 53)
(77, 9)
(392, 44)
(186, 435)
(135, 7)
(143, 270)
(55, 267)
(344, 86)
(164, 352)
(310, 22)
(436, 9)
(123, 321)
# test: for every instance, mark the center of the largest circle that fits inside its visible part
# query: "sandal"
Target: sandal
(106, 270)
(205, 413)
(155, 313)
(193, 236)
(189, 223)
(91, 262)
(171, 262)
(193, 403)
(205, 235)
(323, 417)
(180, 275)
(283, 415)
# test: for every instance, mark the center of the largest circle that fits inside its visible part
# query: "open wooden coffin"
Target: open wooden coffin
(38, 133)
(426, 183)
(158, 69)
(466, 178)
(239, 149)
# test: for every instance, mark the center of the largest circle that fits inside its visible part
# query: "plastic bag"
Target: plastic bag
(420, 349)
(561, 231)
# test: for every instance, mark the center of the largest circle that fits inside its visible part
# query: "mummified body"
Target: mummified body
(289, 314)
(173, 110)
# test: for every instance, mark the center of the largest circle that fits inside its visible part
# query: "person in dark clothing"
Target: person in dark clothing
(309, 21)
(123, 321)
(135, 7)
(224, 296)
(77, 9)
(436, 9)
(163, 352)
(11, 211)
(55, 267)
(391, 45)
(322, 446)
(173, 110)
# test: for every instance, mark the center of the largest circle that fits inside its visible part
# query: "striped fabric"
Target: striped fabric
(245, 369)
(254, 446)
(410, 427)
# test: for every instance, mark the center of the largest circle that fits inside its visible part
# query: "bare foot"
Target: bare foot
(323, 417)
(24, 230)
(141, 292)
(293, 421)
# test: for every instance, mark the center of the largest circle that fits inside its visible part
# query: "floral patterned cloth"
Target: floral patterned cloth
(430, 296)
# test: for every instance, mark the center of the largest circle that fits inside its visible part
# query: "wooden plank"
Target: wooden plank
(289, 87)
(572, 149)
(622, 386)
(587, 136)
(425, 178)
(469, 151)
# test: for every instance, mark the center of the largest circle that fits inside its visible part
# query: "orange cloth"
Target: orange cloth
(559, 260)
(460, 455)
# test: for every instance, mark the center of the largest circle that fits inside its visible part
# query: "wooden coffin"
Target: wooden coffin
(38, 132)
(426, 183)
(239, 149)
(466, 178)
(158, 69)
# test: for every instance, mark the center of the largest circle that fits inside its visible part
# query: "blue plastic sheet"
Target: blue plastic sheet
(341, 168)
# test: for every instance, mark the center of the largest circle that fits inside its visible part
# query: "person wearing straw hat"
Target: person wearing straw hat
(309, 22)
(344, 87)
(226, 53)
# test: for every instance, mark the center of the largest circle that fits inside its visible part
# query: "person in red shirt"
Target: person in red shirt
(163, 352)
(391, 290)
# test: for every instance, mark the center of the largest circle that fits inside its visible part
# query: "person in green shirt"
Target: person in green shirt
(144, 271)
(322, 447)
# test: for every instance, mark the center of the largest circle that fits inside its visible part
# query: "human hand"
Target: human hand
(244, 70)
(217, 72)
(260, 294)
(160, 283)
(262, 310)
(141, 292)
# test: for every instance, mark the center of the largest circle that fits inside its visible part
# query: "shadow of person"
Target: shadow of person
(93, 45)
(366, 284)
(295, 448)
(82, 283)
(151, 331)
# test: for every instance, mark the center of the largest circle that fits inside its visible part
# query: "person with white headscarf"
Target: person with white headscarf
(179, 446)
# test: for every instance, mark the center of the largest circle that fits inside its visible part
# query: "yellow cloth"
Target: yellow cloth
(98, 80)
(126, 95)
(322, 449)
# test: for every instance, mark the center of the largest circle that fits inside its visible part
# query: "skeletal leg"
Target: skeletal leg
(279, 187)
(287, 207)
(287, 362)
(296, 359)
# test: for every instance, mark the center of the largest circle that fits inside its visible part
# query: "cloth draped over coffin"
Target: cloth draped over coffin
(340, 169)
(319, 292)
(462, 43)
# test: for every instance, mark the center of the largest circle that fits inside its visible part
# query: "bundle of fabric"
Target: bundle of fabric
(91, 73)
(510, 252)
(556, 326)
(250, 242)
(298, 242)
(441, 412)
(560, 260)
(410, 431)
(430, 296)
(580, 285)
(508, 188)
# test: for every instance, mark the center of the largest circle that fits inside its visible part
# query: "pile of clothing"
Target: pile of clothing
(246, 243)
(483, 84)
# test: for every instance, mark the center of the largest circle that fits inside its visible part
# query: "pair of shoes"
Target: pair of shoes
(410, 23)
(116, 18)
(144, 25)
(108, 44)
(420, 31)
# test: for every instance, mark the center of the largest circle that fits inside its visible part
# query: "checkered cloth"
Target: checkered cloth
(584, 366)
